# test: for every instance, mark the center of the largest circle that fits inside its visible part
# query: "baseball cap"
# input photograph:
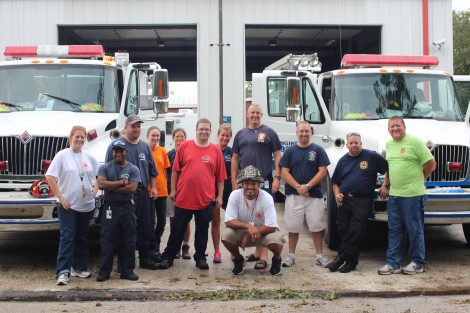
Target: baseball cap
(133, 118)
(119, 144)
(250, 173)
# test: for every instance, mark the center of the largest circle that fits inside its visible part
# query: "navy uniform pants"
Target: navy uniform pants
(119, 231)
(352, 226)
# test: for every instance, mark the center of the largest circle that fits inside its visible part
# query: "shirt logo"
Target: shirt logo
(364, 165)
(402, 150)
(206, 159)
(261, 137)
(142, 156)
(259, 214)
(312, 156)
(85, 165)
(125, 176)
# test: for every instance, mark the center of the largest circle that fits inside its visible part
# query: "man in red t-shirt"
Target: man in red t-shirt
(199, 166)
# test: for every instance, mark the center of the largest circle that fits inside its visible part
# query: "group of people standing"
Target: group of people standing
(143, 184)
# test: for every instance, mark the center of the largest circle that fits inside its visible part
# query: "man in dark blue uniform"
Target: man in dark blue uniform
(354, 182)
(119, 179)
(140, 155)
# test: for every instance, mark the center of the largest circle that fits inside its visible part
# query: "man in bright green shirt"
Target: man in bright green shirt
(410, 164)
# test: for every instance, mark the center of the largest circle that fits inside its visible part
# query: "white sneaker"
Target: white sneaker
(81, 274)
(63, 279)
(388, 270)
(322, 260)
(413, 268)
(289, 261)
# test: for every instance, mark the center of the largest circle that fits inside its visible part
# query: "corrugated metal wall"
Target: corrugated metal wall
(35, 22)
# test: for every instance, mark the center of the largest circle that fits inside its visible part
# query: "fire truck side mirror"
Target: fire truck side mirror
(293, 111)
(160, 91)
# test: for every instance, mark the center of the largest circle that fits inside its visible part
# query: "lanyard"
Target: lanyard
(80, 173)
(252, 208)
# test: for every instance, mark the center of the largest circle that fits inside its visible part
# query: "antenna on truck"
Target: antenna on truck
(298, 62)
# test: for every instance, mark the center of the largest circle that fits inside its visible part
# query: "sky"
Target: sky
(460, 5)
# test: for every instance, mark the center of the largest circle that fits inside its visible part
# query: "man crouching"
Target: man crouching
(251, 220)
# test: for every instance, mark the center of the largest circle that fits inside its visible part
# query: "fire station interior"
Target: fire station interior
(174, 47)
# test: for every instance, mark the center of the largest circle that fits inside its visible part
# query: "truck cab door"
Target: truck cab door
(269, 90)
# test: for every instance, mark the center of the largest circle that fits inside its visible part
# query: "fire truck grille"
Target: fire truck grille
(24, 159)
(443, 154)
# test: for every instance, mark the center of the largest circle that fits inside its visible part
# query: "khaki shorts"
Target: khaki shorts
(299, 208)
(234, 236)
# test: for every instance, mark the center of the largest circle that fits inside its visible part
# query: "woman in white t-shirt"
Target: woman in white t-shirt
(71, 176)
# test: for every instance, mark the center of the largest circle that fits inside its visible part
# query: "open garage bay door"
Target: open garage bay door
(266, 44)
(174, 47)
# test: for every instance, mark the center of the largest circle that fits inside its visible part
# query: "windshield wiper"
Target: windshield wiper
(417, 117)
(74, 105)
(11, 105)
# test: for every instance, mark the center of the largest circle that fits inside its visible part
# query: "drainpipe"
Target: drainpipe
(425, 27)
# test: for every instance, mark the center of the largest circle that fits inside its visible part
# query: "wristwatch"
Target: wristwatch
(278, 177)
(308, 186)
(386, 186)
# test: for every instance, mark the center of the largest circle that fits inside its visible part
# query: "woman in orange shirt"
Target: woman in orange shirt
(158, 205)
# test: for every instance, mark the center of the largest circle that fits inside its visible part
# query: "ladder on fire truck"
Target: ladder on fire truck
(298, 62)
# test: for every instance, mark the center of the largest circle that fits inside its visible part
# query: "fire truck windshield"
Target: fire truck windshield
(383, 95)
(61, 87)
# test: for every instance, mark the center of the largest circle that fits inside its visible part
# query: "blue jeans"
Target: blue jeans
(182, 217)
(406, 218)
(73, 245)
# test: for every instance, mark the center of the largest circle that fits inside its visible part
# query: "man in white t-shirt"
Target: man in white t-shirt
(251, 220)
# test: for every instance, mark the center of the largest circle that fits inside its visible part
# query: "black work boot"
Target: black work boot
(348, 267)
(334, 265)
(146, 262)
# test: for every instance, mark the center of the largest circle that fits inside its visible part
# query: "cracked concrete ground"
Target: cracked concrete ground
(27, 272)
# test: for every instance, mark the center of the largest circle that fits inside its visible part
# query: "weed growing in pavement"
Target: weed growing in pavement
(331, 296)
(226, 295)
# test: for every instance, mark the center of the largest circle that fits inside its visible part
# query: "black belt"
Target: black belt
(118, 203)
(358, 195)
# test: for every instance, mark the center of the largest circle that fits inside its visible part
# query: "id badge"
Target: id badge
(109, 214)
(266, 184)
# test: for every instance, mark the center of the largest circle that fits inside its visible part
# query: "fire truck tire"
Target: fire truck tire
(466, 232)
(331, 234)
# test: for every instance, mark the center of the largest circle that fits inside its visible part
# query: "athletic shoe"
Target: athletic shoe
(185, 252)
(238, 266)
(388, 270)
(217, 257)
(63, 279)
(202, 264)
(289, 261)
(412, 269)
(81, 274)
(275, 266)
(322, 260)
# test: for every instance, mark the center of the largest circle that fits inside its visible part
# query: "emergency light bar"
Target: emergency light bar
(73, 51)
(377, 60)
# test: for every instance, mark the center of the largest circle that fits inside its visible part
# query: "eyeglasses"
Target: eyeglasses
(203, 129)
(353, 134)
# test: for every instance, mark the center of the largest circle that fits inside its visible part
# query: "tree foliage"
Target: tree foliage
(461, 21)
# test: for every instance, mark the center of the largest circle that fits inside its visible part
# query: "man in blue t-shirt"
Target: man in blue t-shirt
(354, 182)
(257, 145)
(119, 179)
(304, 168)
(139, 154)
